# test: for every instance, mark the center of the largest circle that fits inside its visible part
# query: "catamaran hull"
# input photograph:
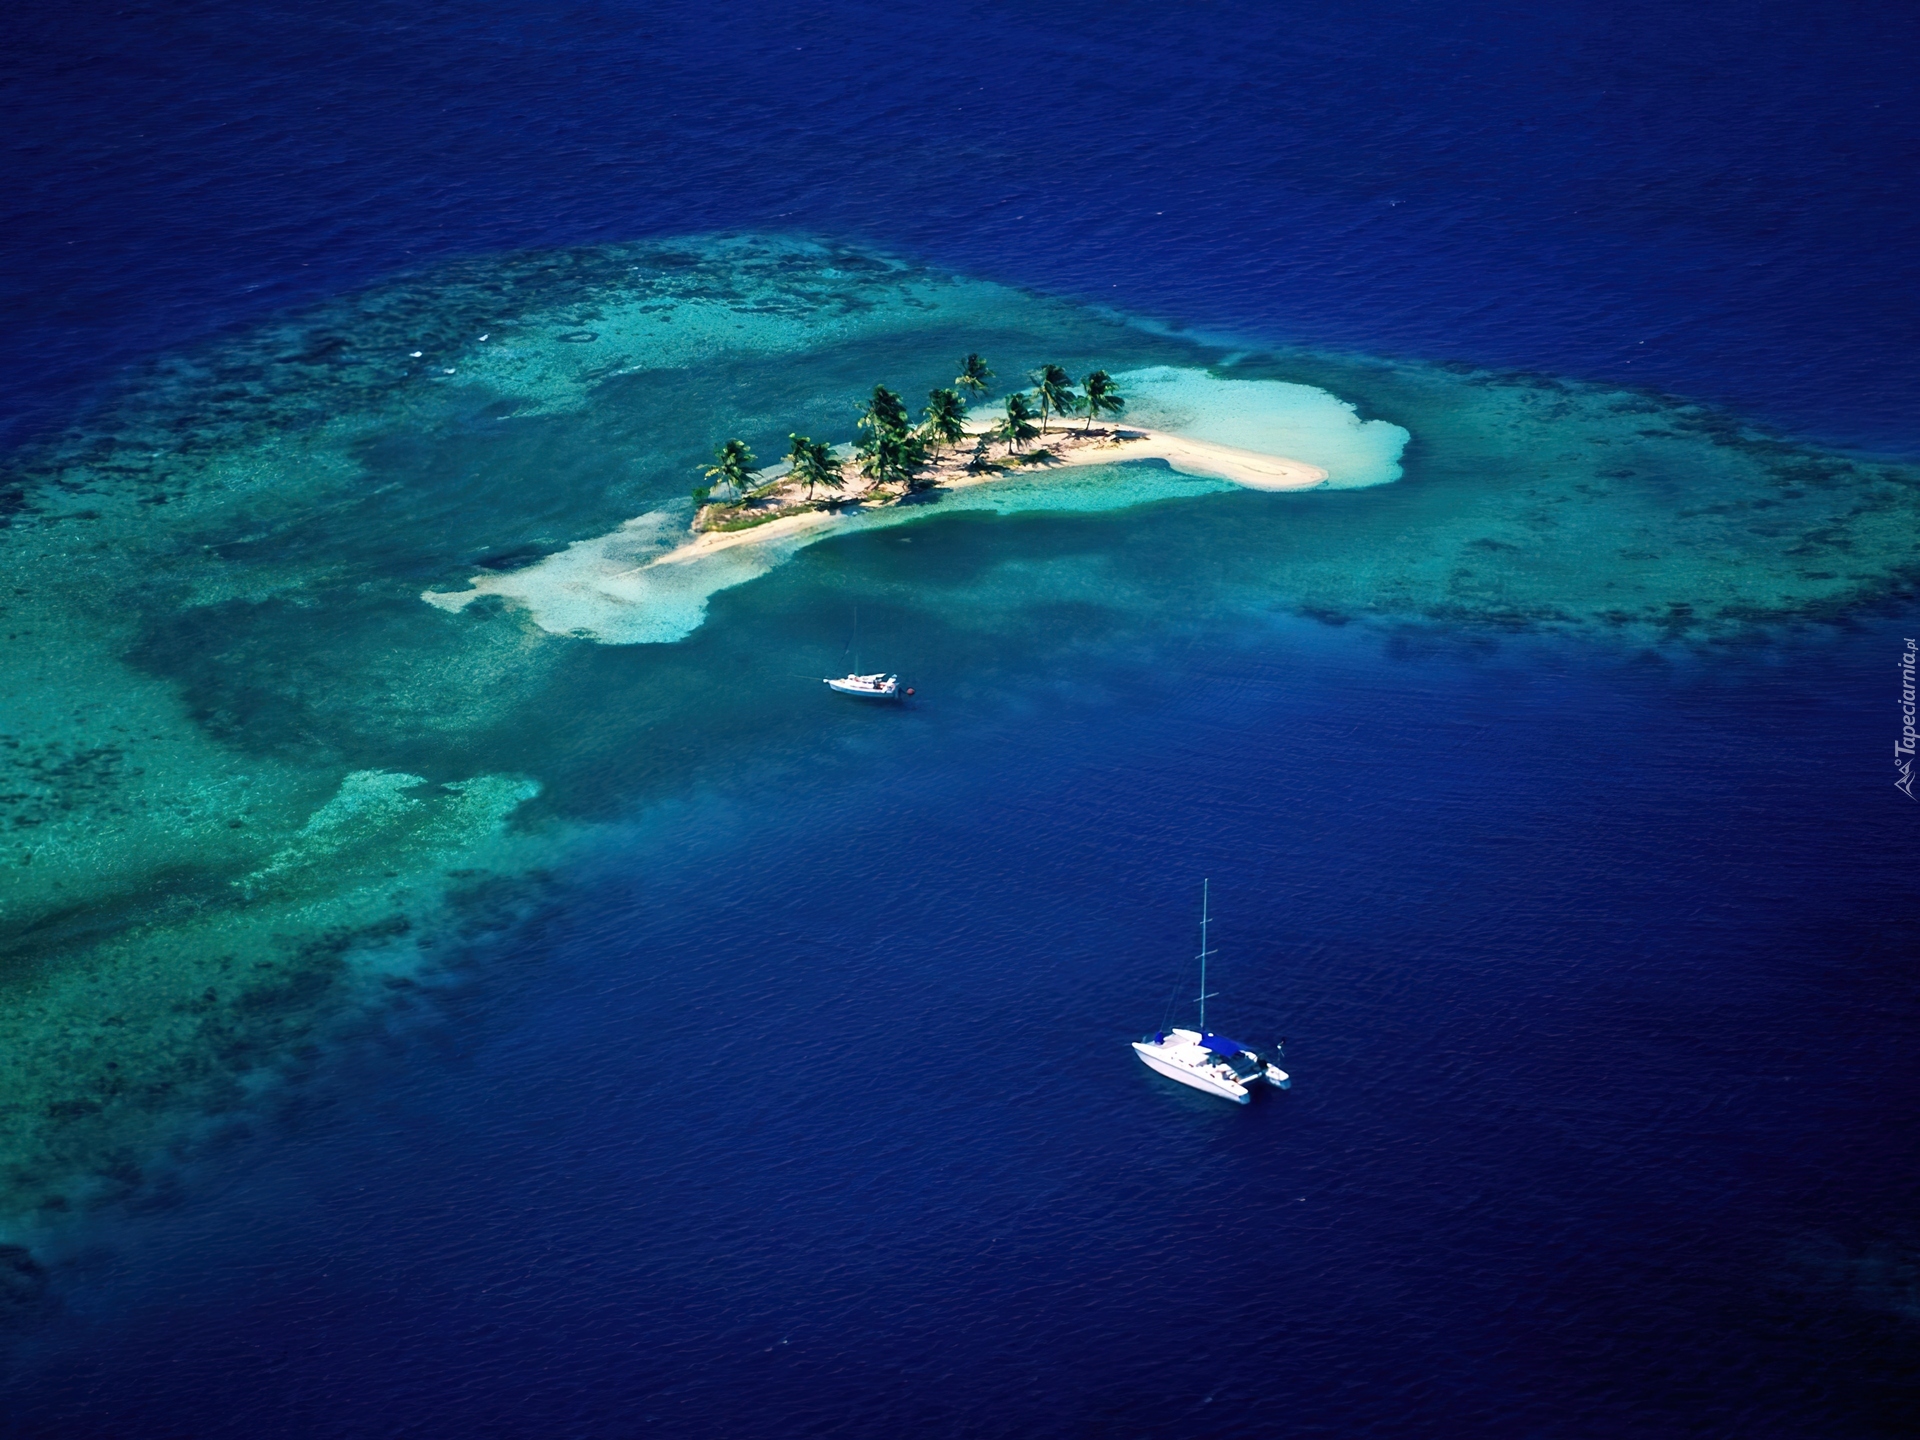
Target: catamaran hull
(1238, 1093)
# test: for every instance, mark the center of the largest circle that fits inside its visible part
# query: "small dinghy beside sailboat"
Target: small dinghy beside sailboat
(1204, 1060)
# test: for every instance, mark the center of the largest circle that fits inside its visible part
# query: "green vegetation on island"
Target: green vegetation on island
(813, 464)
(1016, 426)
(1054, 389)
(946, 422)
(890, 451)
(974, 377)
(1101, 397)
(732, 467)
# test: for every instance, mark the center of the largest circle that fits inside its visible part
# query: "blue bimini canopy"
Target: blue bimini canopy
(1220, 1045)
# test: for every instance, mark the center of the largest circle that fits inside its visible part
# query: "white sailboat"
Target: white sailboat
(1202, 1059)
(867, 687)
(881, 686)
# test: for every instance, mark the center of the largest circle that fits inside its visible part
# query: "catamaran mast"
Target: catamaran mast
(1204, 952)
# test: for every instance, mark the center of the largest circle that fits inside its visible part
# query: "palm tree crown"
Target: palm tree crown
(892, 457)
(1055, 388)
(1018, 424)
(734, 468)
(886, 414)
(889, 450)
(813, 464)
(890, 447)
(946, 416)
(1102, 398)
(974, 377)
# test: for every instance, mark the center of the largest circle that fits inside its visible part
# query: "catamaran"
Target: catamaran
(1209, 1062)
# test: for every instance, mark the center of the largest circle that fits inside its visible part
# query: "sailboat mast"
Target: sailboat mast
(1205, 886)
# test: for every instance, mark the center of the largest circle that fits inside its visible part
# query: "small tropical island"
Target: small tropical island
(647, 581)
(896, 460)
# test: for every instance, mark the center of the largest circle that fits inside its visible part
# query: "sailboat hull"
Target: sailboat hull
(1173, 1070)
(867, 687)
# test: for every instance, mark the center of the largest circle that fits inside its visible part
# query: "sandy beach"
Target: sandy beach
(1201, 457)
(647, 580)
(1065, 445)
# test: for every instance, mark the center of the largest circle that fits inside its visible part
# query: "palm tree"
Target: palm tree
(886, 414)
(890, 456)
(735, 467)
(1055, 388)
(813, 464)
(974, 377)
(1101, 396)
(823, 469)
(1018, 424)
(889, 450)
(946, 416)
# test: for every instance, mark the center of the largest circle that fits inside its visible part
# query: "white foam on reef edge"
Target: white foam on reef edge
(637, 586)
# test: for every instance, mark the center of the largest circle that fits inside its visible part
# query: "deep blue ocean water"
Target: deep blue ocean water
(1655, 193)
(806, 1108)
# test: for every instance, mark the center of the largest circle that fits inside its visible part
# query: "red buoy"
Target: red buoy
(909, 689)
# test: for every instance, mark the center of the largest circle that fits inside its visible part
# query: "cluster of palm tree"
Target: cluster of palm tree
(892, 448)
(1053, 392)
